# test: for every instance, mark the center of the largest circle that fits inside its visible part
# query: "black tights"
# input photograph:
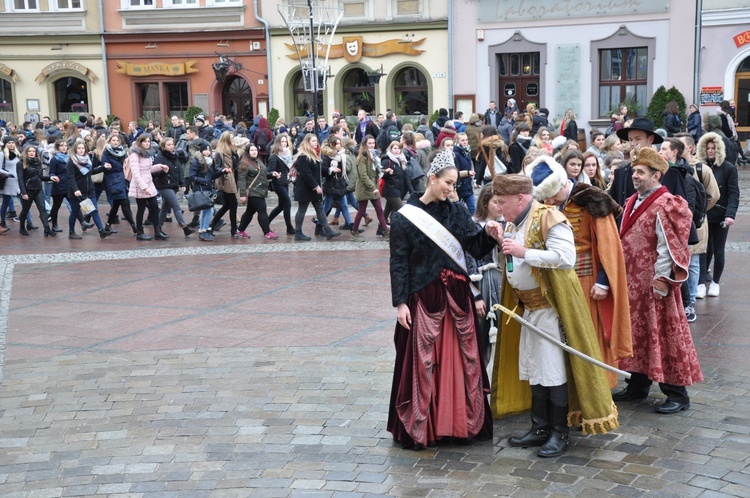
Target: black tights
(285, 205)
(256, 205)
(230, 204)
(717, 240)
(124, 205)
(153, 212)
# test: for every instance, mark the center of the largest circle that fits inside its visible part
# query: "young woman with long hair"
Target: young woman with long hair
(142, 186)
(203, 171)
(592, 170)
(396, 182)
(253, 186)
(59, 192)
(308, 188)
(8, 159)
(572, 163)
(280, 161)
(335, 181)
(114, 157)
(367, 189)
(81, 187)
(30, 182)
(226, 158)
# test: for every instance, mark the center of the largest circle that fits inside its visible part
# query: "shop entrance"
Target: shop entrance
(237, 100)
(519, 79)
(742, 84)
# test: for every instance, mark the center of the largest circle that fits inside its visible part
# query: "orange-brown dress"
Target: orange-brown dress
(592, 212)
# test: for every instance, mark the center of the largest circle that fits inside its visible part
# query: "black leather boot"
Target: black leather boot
(330, 233)
(187, 231)
(540, 423)
(558, 437)
(298, 235)
(56, 229)
(142, 236)
(318, 230)
(158, 234)
(109, 228)
(135, 230)
(104, 233)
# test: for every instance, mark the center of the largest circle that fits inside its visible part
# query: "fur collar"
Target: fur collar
(595, 201)
(721, 152)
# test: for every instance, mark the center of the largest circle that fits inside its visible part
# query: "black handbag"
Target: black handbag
(199, 200)
(218, 196)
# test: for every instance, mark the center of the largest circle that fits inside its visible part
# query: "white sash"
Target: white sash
(439, 235)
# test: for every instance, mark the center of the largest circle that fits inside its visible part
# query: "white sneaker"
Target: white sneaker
(713, 289)
(701, 293)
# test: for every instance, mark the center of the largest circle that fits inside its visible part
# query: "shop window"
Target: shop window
(21, 5)
(169, 97)
(303, 100)
(411, 91)
(71, 95)
(358, 93)
(623, 76)
(407, 7)
(148, 95)
(66, 4)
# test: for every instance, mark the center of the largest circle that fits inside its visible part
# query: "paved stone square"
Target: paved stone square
(263, 369)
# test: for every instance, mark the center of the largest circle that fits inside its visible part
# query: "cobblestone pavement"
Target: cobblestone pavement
(264, 369)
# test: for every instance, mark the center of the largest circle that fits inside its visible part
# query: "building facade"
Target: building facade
(579, 55)
(161, 57)
(725, 59)
(405, 42)
(50, 60)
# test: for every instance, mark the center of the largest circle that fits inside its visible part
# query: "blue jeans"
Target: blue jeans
(206, 216)
(351, 201)
(75, 211)
(328, 203)
(694, 272)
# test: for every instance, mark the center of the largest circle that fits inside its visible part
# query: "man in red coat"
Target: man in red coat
(654, 232)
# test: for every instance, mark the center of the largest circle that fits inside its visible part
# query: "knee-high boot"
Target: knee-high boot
(540, 422)
(558, 438)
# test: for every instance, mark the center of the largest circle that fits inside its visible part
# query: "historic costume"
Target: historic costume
(599, 260)
(654, 232)
(565, 390)
(440, 386)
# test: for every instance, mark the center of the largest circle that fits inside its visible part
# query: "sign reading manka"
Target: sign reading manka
(524, 10)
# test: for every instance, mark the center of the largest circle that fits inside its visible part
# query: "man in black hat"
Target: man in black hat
(641, 134)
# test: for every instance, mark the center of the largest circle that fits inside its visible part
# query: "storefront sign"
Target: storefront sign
(711, 95)
(9, 72)
(524, 10)
(156, 68)
(742, 38)
(353, 49)
(65, 65)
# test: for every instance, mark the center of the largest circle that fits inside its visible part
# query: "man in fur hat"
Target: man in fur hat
(539, 241)
(599, 261)
(654, 232)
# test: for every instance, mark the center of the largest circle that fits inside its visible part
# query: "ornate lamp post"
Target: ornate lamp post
(312, 28)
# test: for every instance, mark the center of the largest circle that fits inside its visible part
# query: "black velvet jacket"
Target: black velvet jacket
(416, 260)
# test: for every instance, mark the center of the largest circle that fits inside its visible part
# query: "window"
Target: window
(524, 64)
(71, 95)
(136, 4)
(303, 100)
(407, 7)
(24, 5)
(623, 76)
(151, 99)
(354, 8)
(218, 3)
(180, 3)
(358, 93)
(6, 97)
(67, 5)
(411, 92)
(177, 94)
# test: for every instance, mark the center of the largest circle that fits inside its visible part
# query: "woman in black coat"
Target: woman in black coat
(396, 181)
(308, 188)
(30, 178)
(81, 187)
(280, 161)
(671, 121)
(168, 183)
(113, 159)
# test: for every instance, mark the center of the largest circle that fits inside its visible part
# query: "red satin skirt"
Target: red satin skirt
(440, 386)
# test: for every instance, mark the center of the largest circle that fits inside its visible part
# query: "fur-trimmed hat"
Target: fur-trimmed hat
(646, 156)
(548, 177)
(512, 185)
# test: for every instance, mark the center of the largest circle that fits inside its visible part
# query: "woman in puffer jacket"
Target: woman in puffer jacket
(253, 186)
(113, 158)
(142, 186)
(396, 181)
(712, 153)
(31, 183)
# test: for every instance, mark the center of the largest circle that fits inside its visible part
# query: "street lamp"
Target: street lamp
(312, 29)
(374, 77)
